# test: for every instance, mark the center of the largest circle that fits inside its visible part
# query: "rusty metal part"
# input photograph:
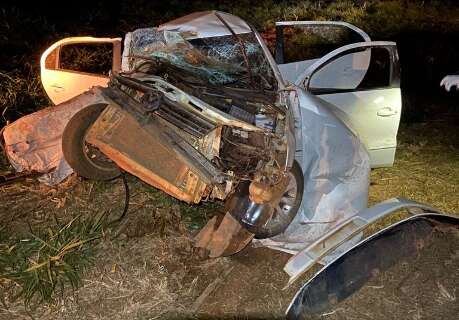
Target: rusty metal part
(195, 158)
(241, 151)
(166, 136)
(254, 215)
(260, 192)
(223, 237)
(141, 152)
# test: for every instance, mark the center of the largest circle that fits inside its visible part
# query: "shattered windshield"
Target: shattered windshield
(214, 61)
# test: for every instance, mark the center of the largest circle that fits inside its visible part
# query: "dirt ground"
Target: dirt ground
(151, 270)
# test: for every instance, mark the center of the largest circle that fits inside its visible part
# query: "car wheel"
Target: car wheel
(288, 205)
(85, 159)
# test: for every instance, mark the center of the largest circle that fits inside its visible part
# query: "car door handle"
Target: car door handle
(386, 112)
(57, 88)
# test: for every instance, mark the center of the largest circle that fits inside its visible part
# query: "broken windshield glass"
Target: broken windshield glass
(214, 61)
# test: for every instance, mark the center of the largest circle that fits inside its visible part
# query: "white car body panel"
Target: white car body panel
(60, 84)
(292, 71)
(372, 114)
(345, 71)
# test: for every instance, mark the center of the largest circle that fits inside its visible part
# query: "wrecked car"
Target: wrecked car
(199, 108)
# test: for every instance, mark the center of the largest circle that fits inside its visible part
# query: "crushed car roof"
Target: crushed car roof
(206, 24)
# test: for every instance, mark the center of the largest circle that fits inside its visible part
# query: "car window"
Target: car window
(354, 70)
(94, 58)
(307, 42)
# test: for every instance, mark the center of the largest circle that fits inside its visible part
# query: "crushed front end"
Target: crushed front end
(200, 118)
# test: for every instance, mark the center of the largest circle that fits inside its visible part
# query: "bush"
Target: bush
(20, 94)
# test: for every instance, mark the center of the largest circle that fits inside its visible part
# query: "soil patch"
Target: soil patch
(253, 289)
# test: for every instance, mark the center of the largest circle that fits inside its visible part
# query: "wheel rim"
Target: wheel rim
(97, 158)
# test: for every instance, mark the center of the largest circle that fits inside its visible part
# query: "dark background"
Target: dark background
(426, 32)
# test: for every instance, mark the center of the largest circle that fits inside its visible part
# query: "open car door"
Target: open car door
(73, 65)
(301, 43)
(361, 84)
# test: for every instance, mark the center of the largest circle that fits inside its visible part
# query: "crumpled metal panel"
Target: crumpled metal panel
(345, 232)
(205, 24)
(336, 170)
(33, 142)
(350, 271)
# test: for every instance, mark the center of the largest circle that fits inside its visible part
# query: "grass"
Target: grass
(68, 222)
(20, 94)
(33, 268)
(426, 167)
(193, 216)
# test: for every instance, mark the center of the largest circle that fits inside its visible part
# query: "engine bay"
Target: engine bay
(239, 131)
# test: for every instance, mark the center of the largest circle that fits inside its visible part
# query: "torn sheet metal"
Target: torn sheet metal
(33, 143)
(351, 270)
(205, 24)
(344, 232)
(222, 236)
(336, 170)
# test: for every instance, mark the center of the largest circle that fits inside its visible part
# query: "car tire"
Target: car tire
(282, 218)
(75, 148)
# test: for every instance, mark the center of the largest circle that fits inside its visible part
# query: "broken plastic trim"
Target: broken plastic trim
(307, 258)
(352, 269)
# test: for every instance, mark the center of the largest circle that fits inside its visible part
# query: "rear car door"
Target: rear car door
(365, 94)
(71, 66)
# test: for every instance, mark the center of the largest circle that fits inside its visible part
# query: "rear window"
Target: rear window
(94, 58)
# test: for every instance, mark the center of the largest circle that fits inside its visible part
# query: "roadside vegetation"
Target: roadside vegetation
(32, 268)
